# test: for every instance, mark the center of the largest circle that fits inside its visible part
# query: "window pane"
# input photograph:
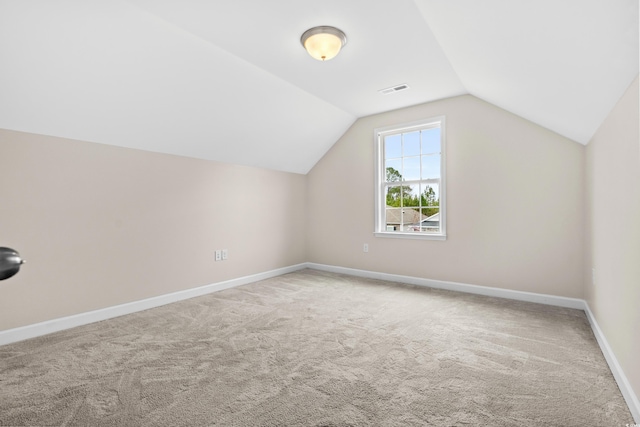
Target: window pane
(431, 224)
(430, 199)
(411, 168)
(411, 219)
(393, 219)
(410, 196)
(411, 144)
(392, 196)
(392, 146)
(393, 170)
(431, 141)
(431, 166)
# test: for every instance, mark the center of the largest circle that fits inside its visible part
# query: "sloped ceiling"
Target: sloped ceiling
(228, 80)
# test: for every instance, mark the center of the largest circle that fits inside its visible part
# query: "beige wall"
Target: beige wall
(101, 225)
(514, 207)
(613, 226)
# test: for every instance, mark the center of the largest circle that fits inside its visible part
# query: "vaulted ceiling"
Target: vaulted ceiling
(228, 80)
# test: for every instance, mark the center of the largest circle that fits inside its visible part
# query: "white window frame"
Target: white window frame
(381, 184)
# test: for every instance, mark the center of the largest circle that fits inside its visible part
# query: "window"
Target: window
(410, 180)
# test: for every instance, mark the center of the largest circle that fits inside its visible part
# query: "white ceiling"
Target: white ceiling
(228, 80)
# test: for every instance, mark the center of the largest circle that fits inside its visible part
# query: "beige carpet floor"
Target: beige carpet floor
(312, 348)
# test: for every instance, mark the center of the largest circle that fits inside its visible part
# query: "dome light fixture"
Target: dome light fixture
(323, 42)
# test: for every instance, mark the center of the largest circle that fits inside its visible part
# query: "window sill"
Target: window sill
(397, 235)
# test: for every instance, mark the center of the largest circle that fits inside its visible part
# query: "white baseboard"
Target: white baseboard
(458, 287)
(55, 325)
(623, 383)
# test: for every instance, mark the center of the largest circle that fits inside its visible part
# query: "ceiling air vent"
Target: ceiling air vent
(394, 89)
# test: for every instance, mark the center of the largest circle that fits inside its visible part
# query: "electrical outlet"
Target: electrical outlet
(365, 248)
(225, 254)
(218, 255)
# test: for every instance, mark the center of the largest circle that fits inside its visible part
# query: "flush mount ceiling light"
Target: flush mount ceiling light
(323, 43)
